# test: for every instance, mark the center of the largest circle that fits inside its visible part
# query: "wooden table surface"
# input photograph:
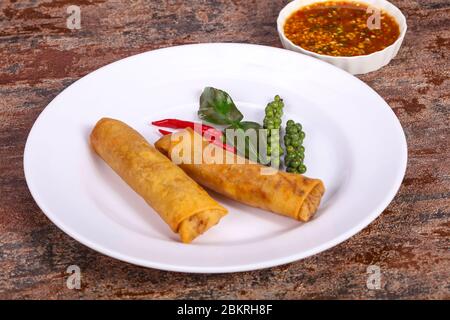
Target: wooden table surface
(40, 57)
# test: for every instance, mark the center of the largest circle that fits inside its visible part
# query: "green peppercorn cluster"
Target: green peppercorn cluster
(272, 120)
(295, 151)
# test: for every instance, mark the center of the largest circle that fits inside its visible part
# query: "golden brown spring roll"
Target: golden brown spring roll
(289, 194)
(181, 202)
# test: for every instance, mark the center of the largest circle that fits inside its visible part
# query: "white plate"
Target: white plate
(354, 143)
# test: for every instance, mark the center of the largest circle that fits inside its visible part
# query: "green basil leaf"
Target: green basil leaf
(217, 107)
(250, 148)
(245, 125)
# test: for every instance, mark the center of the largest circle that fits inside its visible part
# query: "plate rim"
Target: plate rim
(214, 269)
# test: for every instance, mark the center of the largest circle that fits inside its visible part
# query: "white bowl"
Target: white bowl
(355, 64)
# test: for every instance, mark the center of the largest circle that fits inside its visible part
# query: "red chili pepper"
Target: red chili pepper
(165, 132)
(173, 123)
(182, 124)
(223, 146)
(213, 135)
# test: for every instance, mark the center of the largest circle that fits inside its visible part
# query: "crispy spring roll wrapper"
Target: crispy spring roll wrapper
(288, 194)
(180, 201)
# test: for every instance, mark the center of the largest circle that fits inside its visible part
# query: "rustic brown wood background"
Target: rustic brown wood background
(40, 57)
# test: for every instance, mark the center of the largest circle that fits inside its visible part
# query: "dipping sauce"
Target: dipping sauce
(341, 28)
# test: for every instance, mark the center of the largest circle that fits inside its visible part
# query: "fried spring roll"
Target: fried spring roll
(288, 194)
(180, 201)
